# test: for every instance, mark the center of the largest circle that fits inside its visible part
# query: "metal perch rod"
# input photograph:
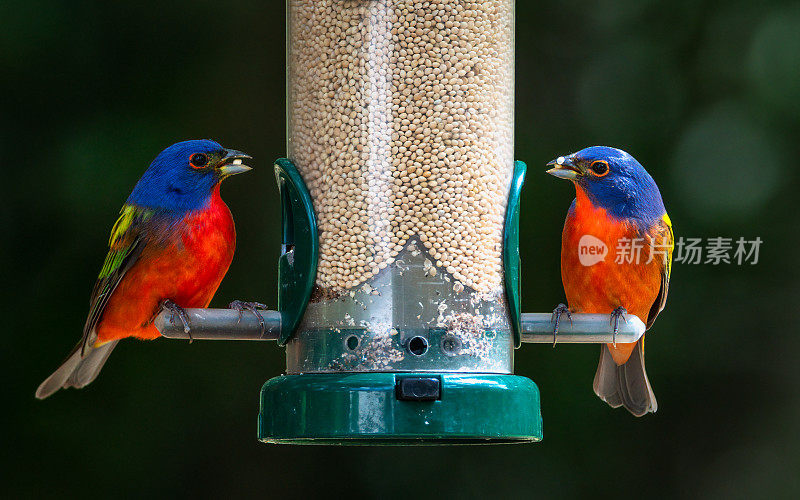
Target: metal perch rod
(537, 328)
(221, 324)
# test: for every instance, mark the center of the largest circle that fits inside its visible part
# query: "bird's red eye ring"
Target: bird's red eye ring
(198, 160)
(599, 167)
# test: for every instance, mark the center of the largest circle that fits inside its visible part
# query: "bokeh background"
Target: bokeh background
(706, 94)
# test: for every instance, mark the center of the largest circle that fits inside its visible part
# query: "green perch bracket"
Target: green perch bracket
(511, 262)
(297, 265)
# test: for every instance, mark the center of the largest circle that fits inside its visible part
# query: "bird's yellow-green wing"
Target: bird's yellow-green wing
(664, 241)
(124, 247)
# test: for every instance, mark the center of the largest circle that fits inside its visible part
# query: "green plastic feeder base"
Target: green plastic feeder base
(399, 409)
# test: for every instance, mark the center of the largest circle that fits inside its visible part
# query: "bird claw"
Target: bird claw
(556, 318)
(253, 307)
(174, 309)
(618, 313)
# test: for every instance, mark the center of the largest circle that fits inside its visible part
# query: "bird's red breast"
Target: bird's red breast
(606, 285)
(186, 269)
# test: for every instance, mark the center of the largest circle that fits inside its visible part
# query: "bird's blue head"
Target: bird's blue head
(183, 176)
(612, 179)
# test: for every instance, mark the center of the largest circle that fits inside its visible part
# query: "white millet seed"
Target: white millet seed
(401, 123)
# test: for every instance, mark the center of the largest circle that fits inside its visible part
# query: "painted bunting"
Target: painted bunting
(170, 248)
(616, 257)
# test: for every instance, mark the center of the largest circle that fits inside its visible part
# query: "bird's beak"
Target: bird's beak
(231, 163)
(564, 168)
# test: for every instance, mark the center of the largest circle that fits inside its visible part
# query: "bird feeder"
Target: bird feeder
(399, 278)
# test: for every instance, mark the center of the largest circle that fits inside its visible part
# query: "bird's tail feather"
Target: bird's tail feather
(76, 371)
(625, 385)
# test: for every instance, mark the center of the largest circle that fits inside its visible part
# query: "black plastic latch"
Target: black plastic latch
(419, 389)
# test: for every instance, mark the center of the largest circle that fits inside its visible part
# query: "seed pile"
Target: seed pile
(401, 123)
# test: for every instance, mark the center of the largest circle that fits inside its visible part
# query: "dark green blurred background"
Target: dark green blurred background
(706, 94)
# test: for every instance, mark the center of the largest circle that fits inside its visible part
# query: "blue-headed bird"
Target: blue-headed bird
(618, 203)
(170, 248)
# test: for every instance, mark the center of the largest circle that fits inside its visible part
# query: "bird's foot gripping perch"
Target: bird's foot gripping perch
(556, 319)
(253, 307)
(618, 313)
(174, 309)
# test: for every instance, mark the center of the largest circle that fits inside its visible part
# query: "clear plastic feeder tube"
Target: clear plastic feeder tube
(400, 120)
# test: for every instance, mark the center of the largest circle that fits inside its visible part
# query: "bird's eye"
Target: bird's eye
(198, 160)
(599, 167)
